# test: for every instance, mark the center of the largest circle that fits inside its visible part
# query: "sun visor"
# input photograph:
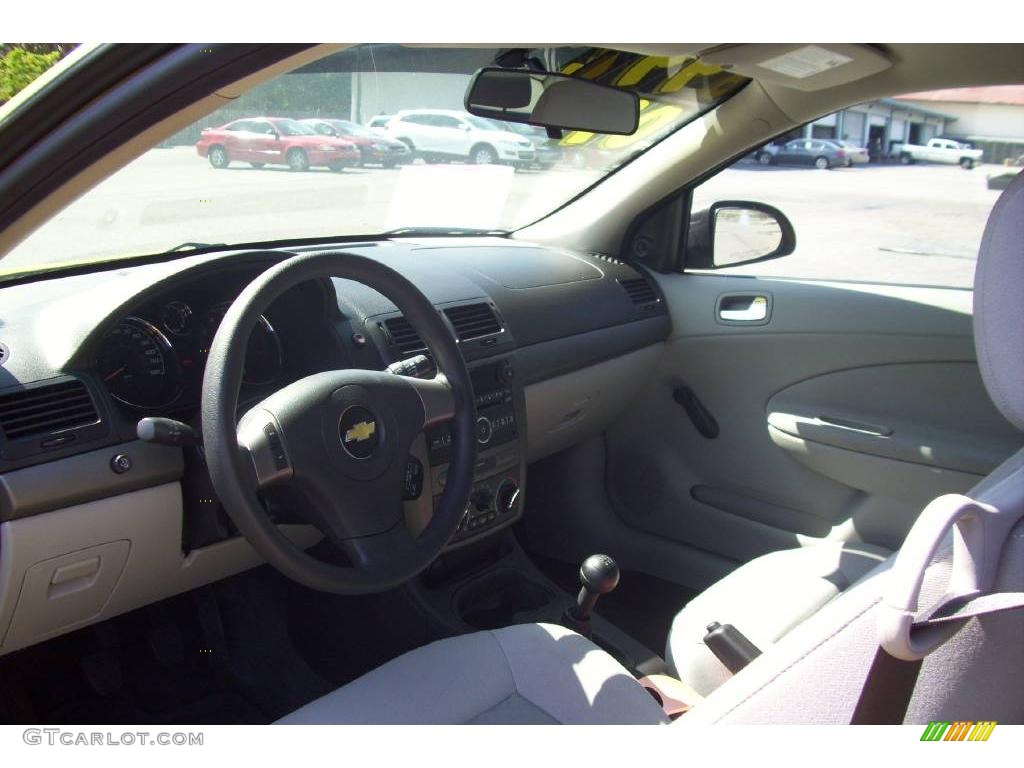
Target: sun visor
(801, 66)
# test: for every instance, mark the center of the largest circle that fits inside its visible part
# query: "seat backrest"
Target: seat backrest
(815, 673)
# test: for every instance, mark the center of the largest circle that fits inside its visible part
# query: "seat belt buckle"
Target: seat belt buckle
(730, 646)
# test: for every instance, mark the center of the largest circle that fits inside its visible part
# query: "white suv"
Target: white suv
(442, 134)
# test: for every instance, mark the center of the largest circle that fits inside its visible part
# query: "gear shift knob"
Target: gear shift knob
(599, 575)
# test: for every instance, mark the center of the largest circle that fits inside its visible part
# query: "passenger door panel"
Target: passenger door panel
(841, 414)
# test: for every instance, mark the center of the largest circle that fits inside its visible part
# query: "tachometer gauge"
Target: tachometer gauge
(176, 317)
(137, 364)
(263, 357)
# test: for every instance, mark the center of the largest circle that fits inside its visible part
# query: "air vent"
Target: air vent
(640, 292)
(473, 321)
(403, 336)
(46, 409)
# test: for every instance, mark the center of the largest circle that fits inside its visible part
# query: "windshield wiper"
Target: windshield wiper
(442, 231)
(189, 246)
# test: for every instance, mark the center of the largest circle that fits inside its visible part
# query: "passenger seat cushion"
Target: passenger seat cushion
(764, 600)
(526, 674)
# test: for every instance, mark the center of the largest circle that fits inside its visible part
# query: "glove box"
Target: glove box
(63, 592)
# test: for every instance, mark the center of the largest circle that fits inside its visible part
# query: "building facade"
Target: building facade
(989, 118)
(880, 125)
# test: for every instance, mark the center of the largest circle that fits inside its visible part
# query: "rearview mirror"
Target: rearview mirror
(552, 100)
(734, 232)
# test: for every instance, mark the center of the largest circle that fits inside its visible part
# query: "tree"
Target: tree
(21, 63)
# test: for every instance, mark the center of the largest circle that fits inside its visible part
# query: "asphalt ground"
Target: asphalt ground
(918, 224)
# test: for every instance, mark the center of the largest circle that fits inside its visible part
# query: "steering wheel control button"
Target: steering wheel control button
(484, 430)
(260, 435)
(121, 463)
(359, 432)
(276, 446)
(412, 481)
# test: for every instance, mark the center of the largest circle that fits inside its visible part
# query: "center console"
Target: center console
(496, 498)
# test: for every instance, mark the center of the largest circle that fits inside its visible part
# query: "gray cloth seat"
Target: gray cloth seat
(764, 599)
(526, 674)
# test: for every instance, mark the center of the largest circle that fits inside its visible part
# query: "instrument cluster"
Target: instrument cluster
(155, 358)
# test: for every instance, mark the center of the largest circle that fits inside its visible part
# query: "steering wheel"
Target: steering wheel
(340, 437)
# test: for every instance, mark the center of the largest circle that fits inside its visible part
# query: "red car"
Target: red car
(263, 141)
(374, 148)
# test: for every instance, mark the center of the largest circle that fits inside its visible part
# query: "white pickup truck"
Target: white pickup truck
(939, 151)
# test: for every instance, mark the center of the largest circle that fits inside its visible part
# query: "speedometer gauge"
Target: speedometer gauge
(137, 364)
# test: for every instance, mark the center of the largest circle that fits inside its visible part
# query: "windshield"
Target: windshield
(229, 180)
(293, 128)
(483, 123)
(523, 129)
(352, 129)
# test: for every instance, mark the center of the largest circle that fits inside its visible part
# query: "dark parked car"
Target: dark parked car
(821, 153)
(374, 149)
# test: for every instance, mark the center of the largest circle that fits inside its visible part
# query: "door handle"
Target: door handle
(744, 308)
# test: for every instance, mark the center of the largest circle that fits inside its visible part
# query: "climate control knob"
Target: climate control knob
(506, 500)
(484, 430)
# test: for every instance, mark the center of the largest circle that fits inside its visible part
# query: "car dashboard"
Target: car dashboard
(556, 343)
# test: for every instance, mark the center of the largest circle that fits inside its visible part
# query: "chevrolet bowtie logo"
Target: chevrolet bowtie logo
(360, 431)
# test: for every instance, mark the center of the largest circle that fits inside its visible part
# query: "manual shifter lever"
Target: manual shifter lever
(599, 575)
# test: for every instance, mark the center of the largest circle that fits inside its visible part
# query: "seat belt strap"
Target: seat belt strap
(967, 608)
(887, 691)
(890, 682)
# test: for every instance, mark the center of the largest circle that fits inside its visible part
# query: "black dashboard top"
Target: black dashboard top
(119, 330)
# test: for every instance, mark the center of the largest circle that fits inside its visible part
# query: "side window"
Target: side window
(870, 215)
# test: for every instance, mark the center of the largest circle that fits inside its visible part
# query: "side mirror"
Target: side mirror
(552, 100)
(734, 232)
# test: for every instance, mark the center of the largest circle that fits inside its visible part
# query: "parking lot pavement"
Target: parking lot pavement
(168, 196)
(918, 224)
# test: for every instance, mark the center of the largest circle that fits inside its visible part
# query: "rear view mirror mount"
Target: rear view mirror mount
(552, 100)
